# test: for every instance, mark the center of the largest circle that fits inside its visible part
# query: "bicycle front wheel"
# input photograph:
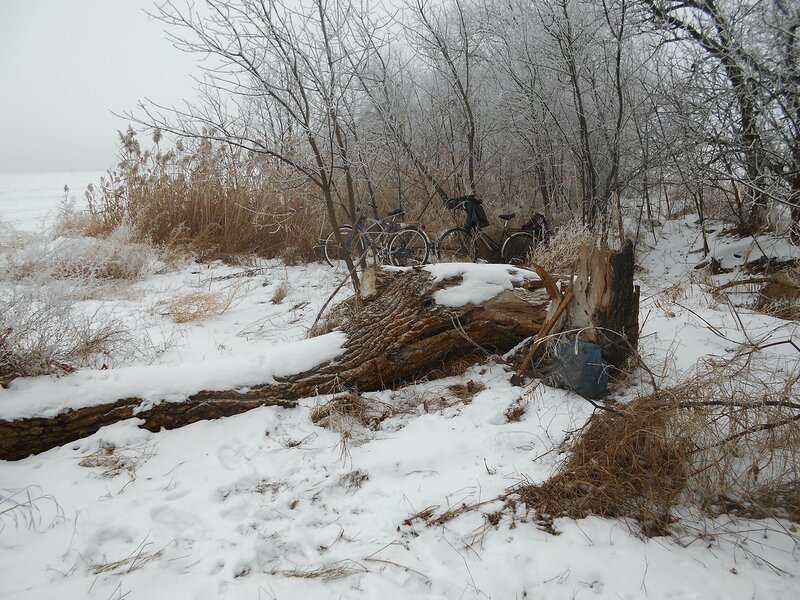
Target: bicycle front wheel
(517, 248)
(456, 245)
(408, 248)
(351, 245)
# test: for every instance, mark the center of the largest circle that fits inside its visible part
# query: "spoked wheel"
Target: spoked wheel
(408, 248)
(352, 245)
(517, 248)
(456, 245)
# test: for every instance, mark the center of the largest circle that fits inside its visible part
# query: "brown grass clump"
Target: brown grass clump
(280, 293)
(336, 570)
(342, 411)
(622, 465)
(562, 254)
(780, 297)
(465, 392)
(516, 411)
(197, 306)
(113, 460)
(725, 440)
(354, 479)
(85, 224)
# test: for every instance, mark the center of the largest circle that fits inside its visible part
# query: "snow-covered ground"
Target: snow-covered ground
(29, 201)
(270, 505)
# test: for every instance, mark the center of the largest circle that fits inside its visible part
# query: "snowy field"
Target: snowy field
(269, 505)
(31, 201)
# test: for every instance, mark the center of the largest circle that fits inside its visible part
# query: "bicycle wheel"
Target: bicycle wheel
(517, 247)
(408, 248)
(456, 245)
(352, 245)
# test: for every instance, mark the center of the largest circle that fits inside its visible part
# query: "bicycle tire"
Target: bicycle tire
(456, 245)
(335, 254)
(517, 247)
(409, 248)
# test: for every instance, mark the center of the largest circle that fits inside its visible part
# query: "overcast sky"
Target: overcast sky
(65, 65)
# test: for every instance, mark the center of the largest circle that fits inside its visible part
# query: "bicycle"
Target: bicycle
(388, 240)
(469, 243)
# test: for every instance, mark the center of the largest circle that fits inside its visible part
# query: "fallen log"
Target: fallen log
(415, 324)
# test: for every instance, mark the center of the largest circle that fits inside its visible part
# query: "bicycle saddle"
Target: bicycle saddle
(508, 217)
(396, 212)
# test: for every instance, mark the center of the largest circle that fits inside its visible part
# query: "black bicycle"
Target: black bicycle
(380, 240)
(470, 244)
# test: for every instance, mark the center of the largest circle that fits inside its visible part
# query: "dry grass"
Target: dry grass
(725, 440)
(280, 293)
(562, 254)
(73, 223)
(137, 559)
(354, 479)
(113, 460)
(208, 199)
(780, 297)
(198, 306)
(26, 508)
(342, 411)
(337, 570)
(347, 411)
(116, 257)
(42, 332)
(516, 410)
(465, 392)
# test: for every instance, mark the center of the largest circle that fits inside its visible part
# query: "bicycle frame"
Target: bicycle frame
(488, 241)
(469, 241)
(390, 240)
(386, 228)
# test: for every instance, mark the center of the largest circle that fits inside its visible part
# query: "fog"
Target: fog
(66, 67)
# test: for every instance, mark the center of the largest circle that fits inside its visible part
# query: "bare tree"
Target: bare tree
(740, 59)
(280, 81)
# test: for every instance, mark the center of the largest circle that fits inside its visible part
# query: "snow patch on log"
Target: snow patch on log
(479, 282)
(48, 396)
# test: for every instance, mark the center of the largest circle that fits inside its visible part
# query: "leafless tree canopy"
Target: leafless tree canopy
(561, 105)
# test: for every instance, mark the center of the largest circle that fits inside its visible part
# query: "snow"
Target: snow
(47, 396)
(269, 505)
(30, 201)
(478, 282)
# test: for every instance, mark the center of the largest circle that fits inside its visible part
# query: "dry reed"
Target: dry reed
(209, 199)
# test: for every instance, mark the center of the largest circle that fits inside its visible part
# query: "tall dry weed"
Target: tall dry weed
(212, 200)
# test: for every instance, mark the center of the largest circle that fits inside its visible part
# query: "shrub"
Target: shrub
(116, 257)
(41, 332)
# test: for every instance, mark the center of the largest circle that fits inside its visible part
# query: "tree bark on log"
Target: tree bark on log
(606, 303)
(400, 334)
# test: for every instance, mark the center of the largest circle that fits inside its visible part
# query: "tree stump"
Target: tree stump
(606, 303)
(404, 332)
